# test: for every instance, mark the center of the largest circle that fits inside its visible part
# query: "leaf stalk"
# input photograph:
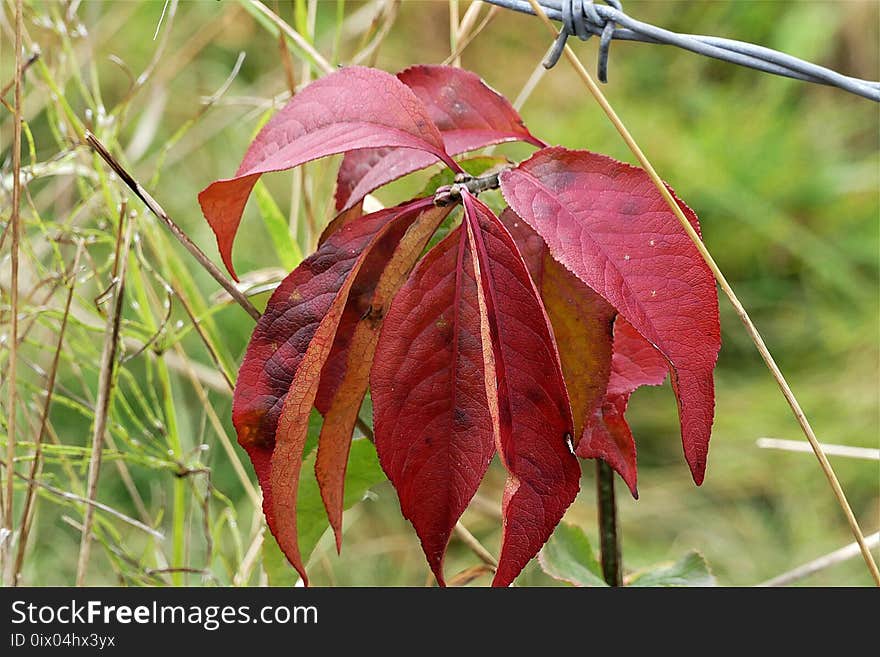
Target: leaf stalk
(449, 194)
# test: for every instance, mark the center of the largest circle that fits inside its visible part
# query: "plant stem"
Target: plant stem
(182, 237)
(14, 221)
(609, 539)
(178, 509)
(449, 194)
(27, 513)
(148, 300)
(24, 67)
(105, 387)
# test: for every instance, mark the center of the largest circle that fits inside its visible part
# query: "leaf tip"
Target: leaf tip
(501, 581)
(222, 220)
(536, 141)
(696, 456)
(435, 563)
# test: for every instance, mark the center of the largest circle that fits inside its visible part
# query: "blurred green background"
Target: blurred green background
(784, 176)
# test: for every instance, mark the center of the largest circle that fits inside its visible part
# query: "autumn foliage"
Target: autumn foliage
(521, 335)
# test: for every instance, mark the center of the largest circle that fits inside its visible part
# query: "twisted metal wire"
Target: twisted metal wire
(584, 18)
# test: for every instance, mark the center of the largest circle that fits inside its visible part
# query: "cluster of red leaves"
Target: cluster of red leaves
(522, 335)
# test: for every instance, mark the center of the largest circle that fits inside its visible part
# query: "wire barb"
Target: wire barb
(579, 23)
(585, 18)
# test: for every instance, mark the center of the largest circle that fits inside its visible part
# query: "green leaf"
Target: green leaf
(448, 225)
(366, 412)
(568, 557)
(690, 570)
(285, 246)
(315, 424)
(363, 472)
(278, 571)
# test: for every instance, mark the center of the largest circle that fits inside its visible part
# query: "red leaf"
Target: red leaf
(348, 109)
(358, 307)
(607, 223)
(534, 416)
(340, 220)
(635, 363)
(467, 112)
(582, 325)
(433, 427)
(580, 318)
(369, 300)
(287, 350)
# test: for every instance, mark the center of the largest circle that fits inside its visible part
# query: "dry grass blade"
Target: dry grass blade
(466, 38)
(209, 346)
(524, 94)
(14, 222)
(468, 575)
(105, 387)
(823, 562)
(94, 504)
(536, 76)
(295, 36)
(368, 54)
(250, 558)
(469, 19)
(454, 28)
(24, 67)
(27, 513)
(847, 451)
(287, 63)
(161, 18)
(475, 546)
(234, 457)
(128, 482)
(182, 237)
(171, 9)
(755, 336)
(206, 375)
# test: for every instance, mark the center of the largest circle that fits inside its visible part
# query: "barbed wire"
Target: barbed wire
(584, 18)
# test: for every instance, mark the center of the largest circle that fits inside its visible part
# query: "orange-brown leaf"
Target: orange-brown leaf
(340, 415)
